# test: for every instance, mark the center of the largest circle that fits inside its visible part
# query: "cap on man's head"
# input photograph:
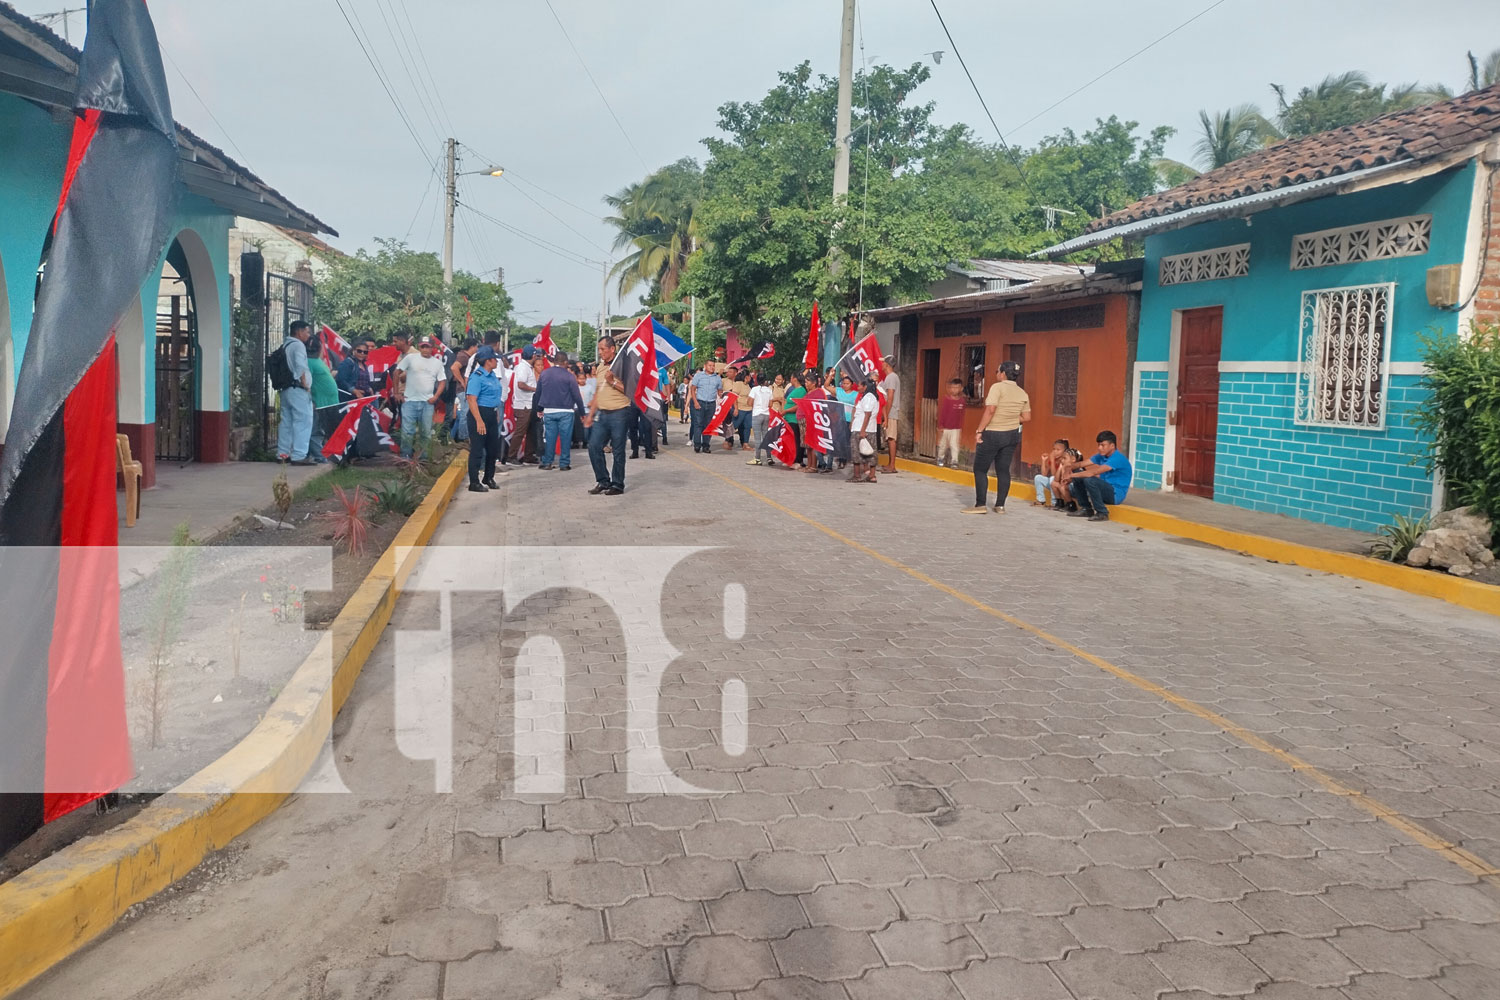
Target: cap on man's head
(426, 342)
(889, 359)
(485, 354)
(528, 352)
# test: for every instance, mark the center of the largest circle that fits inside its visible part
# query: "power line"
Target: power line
(400, 112)
(230, 139)
(1003, 144)
(600, 90)
(536, 241)
(1150, 45)
(426, 65)
(423, 104)
(544, 208)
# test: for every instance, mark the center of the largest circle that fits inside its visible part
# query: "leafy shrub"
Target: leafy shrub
(1461, 417)
(397, 496)
(351, 524)
(1399, 538)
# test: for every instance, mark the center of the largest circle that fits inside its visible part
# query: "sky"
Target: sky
(283, 86)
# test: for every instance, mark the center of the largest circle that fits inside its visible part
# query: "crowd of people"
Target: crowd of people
(537, 409)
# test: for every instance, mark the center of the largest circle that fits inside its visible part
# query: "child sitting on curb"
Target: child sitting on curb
(1051, 464)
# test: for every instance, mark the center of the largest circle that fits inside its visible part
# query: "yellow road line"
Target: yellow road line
(1466, 860)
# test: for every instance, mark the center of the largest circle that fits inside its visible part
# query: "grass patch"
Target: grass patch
(344, 477)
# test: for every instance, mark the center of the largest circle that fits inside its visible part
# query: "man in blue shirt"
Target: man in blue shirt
(706, 387)
(1101, 481)
(484, 395)
(294, 434)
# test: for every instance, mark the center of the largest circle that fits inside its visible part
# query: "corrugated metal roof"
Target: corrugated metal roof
(1017, 270)
(1056, 288)
(1247, 205)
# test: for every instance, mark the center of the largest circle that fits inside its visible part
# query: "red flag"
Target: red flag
(635, 366)
(779, 441)
(726, 405)
(468, 318)
(342, 436)
(334, 346)
(510, 402)
(543, 341)
(379, 362)
(810, 356)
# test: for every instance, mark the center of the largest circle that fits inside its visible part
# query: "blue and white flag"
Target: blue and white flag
(669, 347)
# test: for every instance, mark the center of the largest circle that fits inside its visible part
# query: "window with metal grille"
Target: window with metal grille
(1344, 352)
(1065, 383)
(945, 328)
(971, 369)
(1086, 317)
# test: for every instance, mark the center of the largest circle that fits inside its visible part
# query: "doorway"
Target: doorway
(1198, 399)
(176, 362)
(932, 380)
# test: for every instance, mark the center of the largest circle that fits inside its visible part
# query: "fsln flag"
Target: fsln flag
(635, 367)
(379, 362)
(721, 414)
(543, 341)
(354, 424)
(862, 361)
(336, 347)
(779, 441)
(669, 346)
(63, 735)
(824, 428)
(764, 351)
(810, 356)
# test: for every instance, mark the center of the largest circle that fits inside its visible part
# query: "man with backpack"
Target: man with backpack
(291, 377)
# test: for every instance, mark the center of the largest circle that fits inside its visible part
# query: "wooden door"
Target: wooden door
(1198, 400)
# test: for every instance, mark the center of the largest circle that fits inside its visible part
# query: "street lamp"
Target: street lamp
(453, 176)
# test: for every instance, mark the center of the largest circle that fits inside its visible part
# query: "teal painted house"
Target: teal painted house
(174, 345)
(1279, 359)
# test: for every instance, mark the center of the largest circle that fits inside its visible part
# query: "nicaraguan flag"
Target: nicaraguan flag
(669, 347)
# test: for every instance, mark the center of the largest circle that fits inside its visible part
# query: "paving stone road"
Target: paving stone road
(933, 801)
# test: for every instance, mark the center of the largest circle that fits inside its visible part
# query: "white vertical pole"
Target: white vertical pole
(448, 242)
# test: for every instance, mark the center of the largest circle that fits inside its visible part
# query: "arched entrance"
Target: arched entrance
(176, 360)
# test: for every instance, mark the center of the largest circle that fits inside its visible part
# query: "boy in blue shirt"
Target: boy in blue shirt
(1102, 481)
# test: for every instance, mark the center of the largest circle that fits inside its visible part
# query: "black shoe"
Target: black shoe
(635, 454)
(1099, 516)
(545, 465)
(613, 491)
(490, 483)
(598, 489)
(1080, 513)
(650, 454)
(477, 488)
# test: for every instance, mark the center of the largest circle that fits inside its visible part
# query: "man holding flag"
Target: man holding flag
(606, 421)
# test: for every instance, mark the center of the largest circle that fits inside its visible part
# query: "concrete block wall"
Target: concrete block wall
(1149, 448)
(1348, 478)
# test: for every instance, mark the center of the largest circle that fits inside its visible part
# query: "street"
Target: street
(992, 757)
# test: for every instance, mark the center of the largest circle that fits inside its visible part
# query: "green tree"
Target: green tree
(657, 220)
(1484, 73)
(1346, 99)
(1229, 135)
(398, 289)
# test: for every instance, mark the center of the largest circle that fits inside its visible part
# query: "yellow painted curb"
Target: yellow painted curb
(62, 903)
(1425, 583)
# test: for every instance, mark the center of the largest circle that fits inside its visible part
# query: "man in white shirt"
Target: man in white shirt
(525, 388)
(760, 417)
(422, 382)
(890, 384)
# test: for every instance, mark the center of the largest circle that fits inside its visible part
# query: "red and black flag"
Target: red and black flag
(336, 347)
(543, 341)
(779, 441)
(764, 351)
(355, 429)
(63, 735)
(635, 367)
(721, 414)
(824, 427)
(814, 339)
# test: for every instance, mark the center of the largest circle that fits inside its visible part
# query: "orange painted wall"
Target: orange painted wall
(1102, 372)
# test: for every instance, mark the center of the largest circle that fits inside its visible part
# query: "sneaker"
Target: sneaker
(598, 489)
(613, 491)
(981, 509)
(564, 468)
(940, 465)
(753, 461)
(1099, 516)
(545, 465)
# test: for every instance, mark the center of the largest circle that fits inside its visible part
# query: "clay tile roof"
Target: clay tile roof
(1418, 134)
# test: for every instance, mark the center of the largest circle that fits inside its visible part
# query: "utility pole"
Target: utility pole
(448, 241)
(846, 99)
(603, 303)
(693, 305)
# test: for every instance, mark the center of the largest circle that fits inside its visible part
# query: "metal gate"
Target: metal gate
(176, 380)
(287, 300)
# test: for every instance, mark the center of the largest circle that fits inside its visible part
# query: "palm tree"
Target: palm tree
(657, 222)
(1229, 135)
(1414, 95)
(1486, 73)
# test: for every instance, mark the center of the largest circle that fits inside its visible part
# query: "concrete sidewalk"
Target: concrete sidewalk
(208, 498)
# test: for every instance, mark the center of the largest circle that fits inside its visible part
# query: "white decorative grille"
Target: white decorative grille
(1406, 237)
(1345, 348)
(1206, 265)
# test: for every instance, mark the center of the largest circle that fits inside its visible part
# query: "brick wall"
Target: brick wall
(1352, 479)
(1148, 449)
(1487, 301)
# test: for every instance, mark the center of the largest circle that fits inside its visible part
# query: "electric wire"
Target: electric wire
(244, 160)
(535, 240)
(618, 124)
(422, 102)
(1020, 170)
(560, 220)
(422, 53)
(1145, 48)
(400, 112)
